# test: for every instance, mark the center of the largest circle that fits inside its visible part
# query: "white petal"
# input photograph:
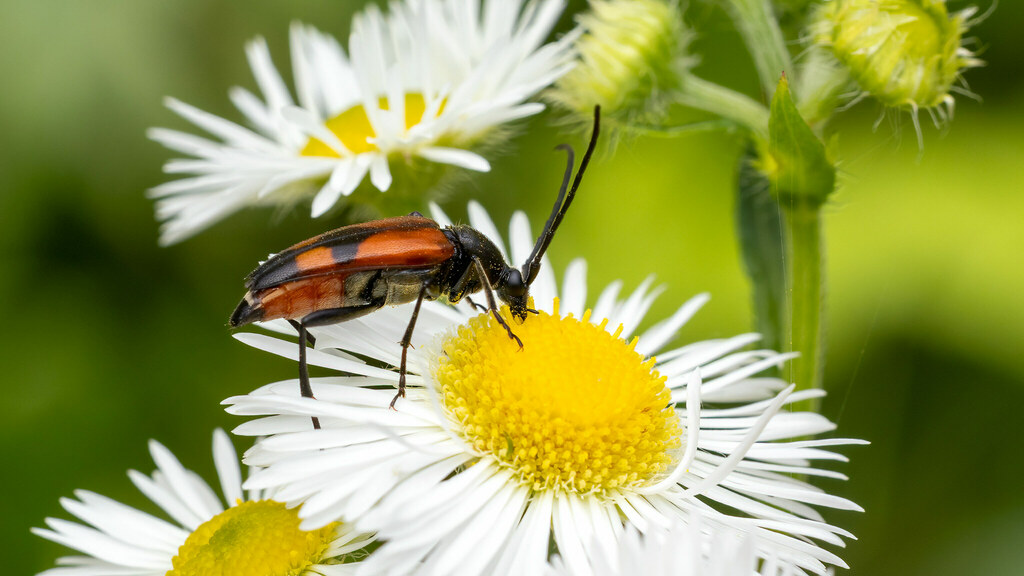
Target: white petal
(334, 188)
(179, 482)
(380, 173)
(456, 157)
(574, 290)
(226, 461)
(658, 335)
(439, 215)
(481, 220)
(267, 76)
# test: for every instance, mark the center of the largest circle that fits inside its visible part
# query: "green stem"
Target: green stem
(729, 104)
(676, 130)
(823, 82)
(807, 293)
(760, 29)
(760, 233)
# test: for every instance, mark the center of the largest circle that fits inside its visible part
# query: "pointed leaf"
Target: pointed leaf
(797, 163)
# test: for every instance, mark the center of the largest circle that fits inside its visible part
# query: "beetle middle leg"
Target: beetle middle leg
(406, 342)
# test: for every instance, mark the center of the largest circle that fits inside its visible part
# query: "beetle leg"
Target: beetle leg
(321, 318)
(304, 386)
(489, 292)
(479, 307)
(310, 339)
(336, 315)
(406, 341)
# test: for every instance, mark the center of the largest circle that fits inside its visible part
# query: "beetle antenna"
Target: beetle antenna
(532, 266)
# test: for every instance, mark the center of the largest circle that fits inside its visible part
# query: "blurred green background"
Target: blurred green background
(111, 340)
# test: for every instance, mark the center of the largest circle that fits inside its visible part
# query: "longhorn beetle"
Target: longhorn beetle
(354, 270)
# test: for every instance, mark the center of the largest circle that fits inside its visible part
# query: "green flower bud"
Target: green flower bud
(901, 52)
(632, 58)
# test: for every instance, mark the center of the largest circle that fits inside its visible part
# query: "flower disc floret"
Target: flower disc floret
(902, 52)
(256, 538)
(577, 408)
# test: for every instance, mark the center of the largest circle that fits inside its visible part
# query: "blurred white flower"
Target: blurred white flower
(420, 88)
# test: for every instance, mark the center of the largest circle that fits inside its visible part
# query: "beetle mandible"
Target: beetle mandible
(354, 270)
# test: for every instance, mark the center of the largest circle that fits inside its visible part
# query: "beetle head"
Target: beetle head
(513, 290)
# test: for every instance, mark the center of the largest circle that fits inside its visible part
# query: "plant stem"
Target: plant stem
(740, 108)
(675, 130)
(822, 83)
(807, 293)
(756, 22)
(759, 230)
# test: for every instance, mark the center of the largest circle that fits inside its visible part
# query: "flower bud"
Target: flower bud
(901, 52)
(632, 57)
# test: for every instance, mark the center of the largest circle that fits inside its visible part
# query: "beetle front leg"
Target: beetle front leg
(406, 342)
(479, 307)
(489, 292)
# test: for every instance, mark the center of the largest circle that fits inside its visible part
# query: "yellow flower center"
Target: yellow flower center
(259, 538)
(576, 408)
(354, 130)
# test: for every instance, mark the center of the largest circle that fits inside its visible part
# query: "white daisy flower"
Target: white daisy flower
(691, 549)
(253, 536)
(418, 89)
(498, 450)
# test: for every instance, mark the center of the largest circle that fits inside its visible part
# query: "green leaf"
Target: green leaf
(797, 164)
(759, 225)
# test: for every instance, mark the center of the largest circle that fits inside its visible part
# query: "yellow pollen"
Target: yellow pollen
(353, 127)
(259, 538)
(576, 408)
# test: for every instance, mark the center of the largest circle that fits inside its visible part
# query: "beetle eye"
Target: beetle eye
(514, 284)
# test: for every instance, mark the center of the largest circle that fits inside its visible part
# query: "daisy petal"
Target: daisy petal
(455, 157)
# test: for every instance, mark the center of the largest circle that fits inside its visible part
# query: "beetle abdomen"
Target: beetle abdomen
(295, 300)
(381, 262)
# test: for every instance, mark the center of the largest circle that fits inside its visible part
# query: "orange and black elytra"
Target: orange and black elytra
(354, 270)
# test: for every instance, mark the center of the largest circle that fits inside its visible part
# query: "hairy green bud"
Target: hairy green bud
(632, 59)
(904, 53)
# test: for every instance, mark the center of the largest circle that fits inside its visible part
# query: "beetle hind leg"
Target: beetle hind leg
(310, 339)
(304, 386)
(330, 316)
(322, 318)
